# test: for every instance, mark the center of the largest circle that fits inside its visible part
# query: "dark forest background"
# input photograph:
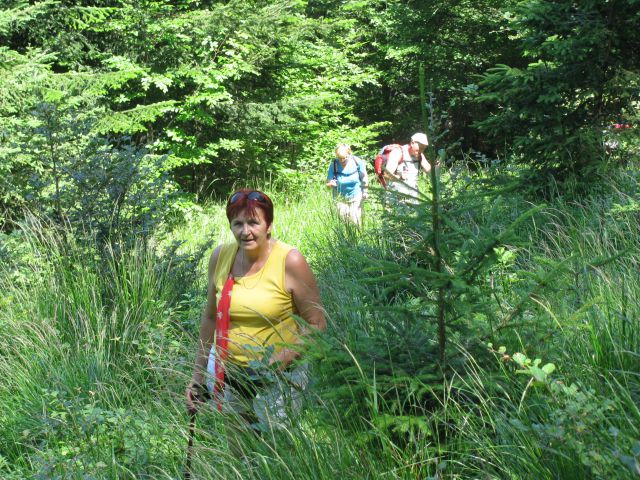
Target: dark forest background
(194, 95)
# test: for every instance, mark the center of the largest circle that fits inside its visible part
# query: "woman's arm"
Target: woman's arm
(331, 176)
(207, 331)
(300, 281)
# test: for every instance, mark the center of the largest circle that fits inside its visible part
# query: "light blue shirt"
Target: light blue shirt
(348, 178)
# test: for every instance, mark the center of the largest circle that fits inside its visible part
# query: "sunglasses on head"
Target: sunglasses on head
(256, 196)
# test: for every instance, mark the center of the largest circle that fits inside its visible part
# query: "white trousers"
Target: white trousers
(276, 401)
(351, 210)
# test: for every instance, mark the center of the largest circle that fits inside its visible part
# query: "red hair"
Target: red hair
(240, 202)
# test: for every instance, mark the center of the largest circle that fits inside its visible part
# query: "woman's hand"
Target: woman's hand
(332, 183)
(195, 394)
(283, 358)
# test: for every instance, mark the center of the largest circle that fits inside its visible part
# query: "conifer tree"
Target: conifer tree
(580, 79)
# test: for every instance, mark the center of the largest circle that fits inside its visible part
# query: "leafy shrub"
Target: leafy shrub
(101, 189)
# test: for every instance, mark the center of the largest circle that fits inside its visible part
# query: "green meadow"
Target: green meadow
(540, 380)
(490, 331)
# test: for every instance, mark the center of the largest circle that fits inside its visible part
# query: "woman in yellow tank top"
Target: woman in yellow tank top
(271, 282)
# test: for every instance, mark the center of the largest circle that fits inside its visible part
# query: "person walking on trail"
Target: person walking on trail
(348, 178)
(256, 285)
(403, 167)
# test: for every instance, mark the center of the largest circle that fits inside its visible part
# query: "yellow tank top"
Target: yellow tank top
(261, 308)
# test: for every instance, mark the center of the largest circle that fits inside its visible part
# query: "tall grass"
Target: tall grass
(78, 343)
(96, 349)
(589, 328)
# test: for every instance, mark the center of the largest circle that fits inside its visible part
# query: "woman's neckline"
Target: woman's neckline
(345, 164)
(273, 246)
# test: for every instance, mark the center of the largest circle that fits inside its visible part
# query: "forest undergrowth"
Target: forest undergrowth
(539, 376)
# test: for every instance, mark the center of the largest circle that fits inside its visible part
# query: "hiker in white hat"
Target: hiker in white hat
(403, 166)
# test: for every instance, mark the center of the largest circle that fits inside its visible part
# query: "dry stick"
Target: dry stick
(439, 267)
(435, 219)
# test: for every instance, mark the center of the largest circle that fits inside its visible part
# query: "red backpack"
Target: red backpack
(380, 162)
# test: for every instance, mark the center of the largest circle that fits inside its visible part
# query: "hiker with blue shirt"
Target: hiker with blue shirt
(348, 178)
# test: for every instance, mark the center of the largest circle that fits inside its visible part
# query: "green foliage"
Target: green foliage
(570, 421)
(105, 108)
(379, 402)
(578, 80)
(500, 282)
(61, 169)
(134, 120)
(85, 438)
(18, 14)
(255, 89)
(453, 40)
(263, 89)
(82, 328)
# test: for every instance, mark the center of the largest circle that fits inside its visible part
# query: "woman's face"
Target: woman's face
(251, 231)
(342, 153)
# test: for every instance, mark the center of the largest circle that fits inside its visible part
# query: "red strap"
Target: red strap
(222, 339)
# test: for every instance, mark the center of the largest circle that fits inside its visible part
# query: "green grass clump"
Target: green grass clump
(96, 348)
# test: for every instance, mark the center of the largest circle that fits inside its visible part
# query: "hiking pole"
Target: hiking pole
(192, 434)
(200, 395)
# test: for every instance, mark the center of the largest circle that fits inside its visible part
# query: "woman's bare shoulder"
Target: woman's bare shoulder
(296, 265)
